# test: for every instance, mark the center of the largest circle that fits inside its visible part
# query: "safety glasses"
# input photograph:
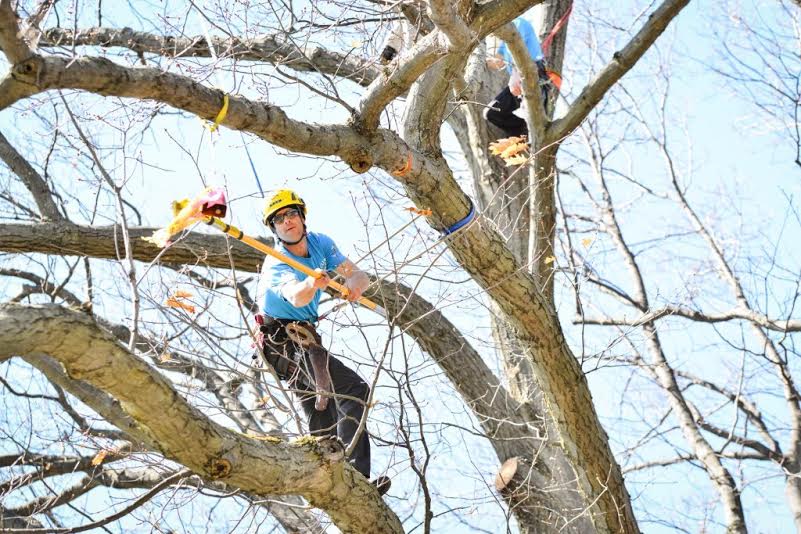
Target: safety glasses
(291, 213)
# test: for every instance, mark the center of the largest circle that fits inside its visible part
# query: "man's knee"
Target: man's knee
(366, 393)
(360, 390)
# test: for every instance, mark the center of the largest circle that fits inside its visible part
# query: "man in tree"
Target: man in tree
(501, 111)
(289, 301)
(399, 37)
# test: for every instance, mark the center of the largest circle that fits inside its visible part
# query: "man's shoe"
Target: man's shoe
(381, 483)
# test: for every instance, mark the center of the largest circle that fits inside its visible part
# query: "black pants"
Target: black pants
(500, 111)
(344, 411)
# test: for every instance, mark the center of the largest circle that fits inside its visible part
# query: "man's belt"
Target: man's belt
(303, 335)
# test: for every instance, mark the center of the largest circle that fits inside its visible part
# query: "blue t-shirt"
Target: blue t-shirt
(529, 38)
(323, 254)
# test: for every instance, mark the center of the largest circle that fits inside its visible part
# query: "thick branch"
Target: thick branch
(32, 180)
(273, 49)
(12, 91)
(101, 402)
(11, 41)
(288, 509)
(445, 17)
(313, 469)
(410, 67)
(531, 88)
(509, 426)
(483, 253)
(105, 241)
(104, 77)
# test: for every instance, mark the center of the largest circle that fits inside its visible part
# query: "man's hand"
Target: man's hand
(355, 288)
(356, 281)
(515, 83)
(319, 282)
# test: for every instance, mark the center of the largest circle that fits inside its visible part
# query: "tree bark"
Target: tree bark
(314, 469)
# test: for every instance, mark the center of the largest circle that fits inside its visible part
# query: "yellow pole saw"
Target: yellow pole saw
(208, 207)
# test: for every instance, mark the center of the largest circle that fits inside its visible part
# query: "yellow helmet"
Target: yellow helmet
(280, 200)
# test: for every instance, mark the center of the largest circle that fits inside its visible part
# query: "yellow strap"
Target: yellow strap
(221, 115)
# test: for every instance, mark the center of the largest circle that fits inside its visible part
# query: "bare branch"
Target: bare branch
(622, 62)
(32, 180)
(119, 479)
(47, 466)
(536, 119)
(11, 38)
(314, 470)
(44, 286)
(273, 49)
(735, 455)
(784, 326)
(743, 404)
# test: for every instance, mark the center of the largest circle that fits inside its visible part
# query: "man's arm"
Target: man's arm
(301, 292)
(356, 280)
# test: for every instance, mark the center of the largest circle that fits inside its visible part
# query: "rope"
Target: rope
(546, 44)
(252, 165)
(461, 224)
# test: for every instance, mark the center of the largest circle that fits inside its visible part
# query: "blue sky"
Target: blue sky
(729, 160)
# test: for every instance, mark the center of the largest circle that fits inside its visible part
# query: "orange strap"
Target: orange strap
(546, 44)
(406, 168)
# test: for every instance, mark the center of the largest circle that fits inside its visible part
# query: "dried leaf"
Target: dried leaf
(99, 457)
(499, 146)
(175, 303)
(180, 294)
(516, 160)
(165, 357)
(418, 211)
(587, 241)
(514, 150)
(178, 205)
(549, 260)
